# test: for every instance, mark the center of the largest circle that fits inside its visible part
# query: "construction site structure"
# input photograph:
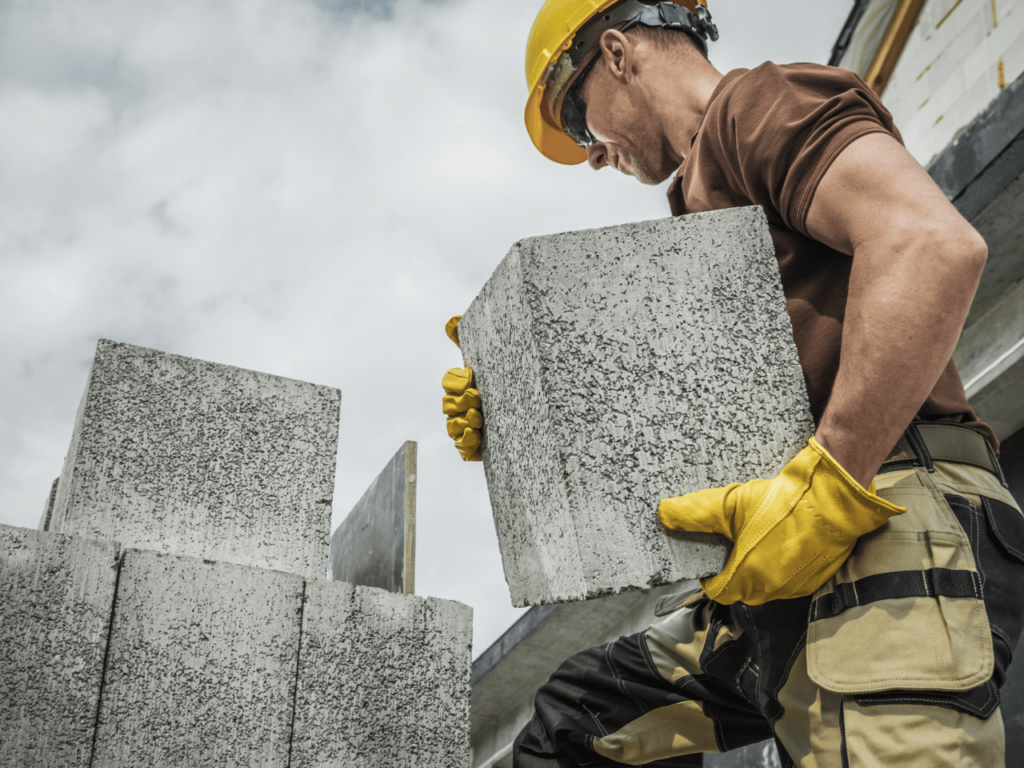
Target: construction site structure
(174, 609)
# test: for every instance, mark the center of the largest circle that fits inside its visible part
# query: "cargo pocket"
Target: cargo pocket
(905, 612)
(996, 531)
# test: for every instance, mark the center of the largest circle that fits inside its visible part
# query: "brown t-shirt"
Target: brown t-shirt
(767, 138)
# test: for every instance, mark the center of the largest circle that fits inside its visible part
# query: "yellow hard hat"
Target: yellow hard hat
(553, 34)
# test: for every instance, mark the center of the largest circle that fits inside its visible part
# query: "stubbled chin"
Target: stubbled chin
(638, 170)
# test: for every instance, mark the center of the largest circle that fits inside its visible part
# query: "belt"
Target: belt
(926, 442)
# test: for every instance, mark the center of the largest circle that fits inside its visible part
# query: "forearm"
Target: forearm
(907, 303)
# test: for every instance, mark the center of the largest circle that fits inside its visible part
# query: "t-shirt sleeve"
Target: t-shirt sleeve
(781, 127)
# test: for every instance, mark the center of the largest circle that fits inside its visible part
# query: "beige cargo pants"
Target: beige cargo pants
(896, 662)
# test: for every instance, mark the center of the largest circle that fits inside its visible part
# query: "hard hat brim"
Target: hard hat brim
(551, 142)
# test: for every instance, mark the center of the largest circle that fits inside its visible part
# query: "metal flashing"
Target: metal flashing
(846, 35)
(515, 634)
(894, 40)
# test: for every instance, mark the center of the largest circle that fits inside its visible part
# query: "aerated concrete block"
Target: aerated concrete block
(618, 367)
(375, 546)
(201, 667)
(179, 455)
(383, 680)
(56, 598)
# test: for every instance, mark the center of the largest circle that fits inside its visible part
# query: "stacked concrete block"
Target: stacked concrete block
(618, 367)
(375, 546)
(384, 680)
(56, 596)
(186, 649)
(202, 665)
(199, 459)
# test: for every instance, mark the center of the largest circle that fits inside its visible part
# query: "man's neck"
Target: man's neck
(680, 91)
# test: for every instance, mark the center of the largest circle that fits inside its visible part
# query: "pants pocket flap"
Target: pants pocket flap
(1008, 526)
(909, 630)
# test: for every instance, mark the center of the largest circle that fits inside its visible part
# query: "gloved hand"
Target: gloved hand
(791, 534)
(461, 404)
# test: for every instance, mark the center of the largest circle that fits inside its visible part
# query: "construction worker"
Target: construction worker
(871, 603)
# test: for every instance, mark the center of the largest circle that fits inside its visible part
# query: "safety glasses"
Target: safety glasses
(574, 110)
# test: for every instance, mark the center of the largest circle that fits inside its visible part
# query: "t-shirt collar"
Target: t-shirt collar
(726, 80)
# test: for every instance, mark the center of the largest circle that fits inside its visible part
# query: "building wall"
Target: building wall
(958, 57)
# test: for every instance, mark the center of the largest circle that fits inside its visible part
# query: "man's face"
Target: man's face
(627, 137)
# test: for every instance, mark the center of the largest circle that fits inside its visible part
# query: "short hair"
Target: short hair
(664, 39)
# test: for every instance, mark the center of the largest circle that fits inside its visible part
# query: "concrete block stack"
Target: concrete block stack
(56, 593)
(200, 459)
(388, 661)
(174, 610)
(618, 367)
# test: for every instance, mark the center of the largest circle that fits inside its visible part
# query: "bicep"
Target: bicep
(875, 190)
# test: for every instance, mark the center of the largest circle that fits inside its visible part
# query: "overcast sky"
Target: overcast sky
(305, 188)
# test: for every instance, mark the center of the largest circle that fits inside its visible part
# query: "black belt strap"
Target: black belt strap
(926, 442)
(935, 582)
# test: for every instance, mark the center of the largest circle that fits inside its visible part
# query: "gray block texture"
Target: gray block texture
(200, 459)
(56, 597)
(383, 680)
(201, 666)
(618, 367)
(375, 546)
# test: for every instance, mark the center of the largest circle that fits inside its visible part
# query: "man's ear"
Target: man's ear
(617, 52)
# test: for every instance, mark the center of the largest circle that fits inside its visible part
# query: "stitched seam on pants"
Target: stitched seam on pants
(760, 661)
(843, 751)
(620, 682)
(597, 722)
(945, 703)
(645, 651)
(974, 542)
(797, 650)
(717, 725)
(1006, 638)
(974, 537)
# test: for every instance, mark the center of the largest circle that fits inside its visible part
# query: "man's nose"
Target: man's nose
(597, 155)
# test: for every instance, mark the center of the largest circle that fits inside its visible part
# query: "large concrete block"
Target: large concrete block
(201, 666)
(383, 680)
(179, 455)
(56, 598)
(375, 546)
(618, 367)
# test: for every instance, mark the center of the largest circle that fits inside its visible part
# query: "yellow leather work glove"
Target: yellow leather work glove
(791, 534)
(461, 404)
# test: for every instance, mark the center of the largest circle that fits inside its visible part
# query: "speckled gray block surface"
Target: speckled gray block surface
(383, 680)
(180, 455)
(375, 545)
(56, 597)
(202, 665)
(618, 367)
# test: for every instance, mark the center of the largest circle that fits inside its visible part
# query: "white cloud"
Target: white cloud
(293, 187)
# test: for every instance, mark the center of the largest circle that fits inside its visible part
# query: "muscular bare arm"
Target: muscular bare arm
(916, 267)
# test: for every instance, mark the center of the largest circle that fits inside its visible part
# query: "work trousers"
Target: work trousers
(896, 661)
